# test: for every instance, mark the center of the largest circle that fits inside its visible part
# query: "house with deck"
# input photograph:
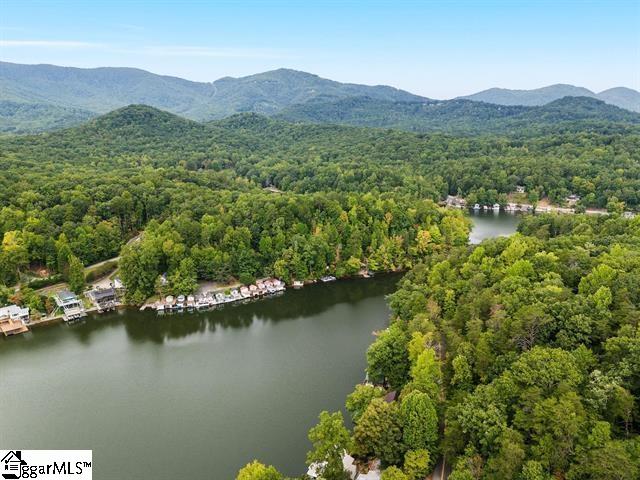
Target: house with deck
(104, 298)
(14, 320)
(70, 305)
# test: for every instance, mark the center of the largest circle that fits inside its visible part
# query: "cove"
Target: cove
(192, 395)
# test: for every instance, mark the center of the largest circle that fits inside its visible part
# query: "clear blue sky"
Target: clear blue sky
(439, 49)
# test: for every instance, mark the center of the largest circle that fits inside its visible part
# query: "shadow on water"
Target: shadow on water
(148, 326)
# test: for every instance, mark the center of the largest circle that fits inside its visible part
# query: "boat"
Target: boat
(169, 301)
(191, 302)
(202, 302)
(180, 302)
(297, 284)
(476, 206)
(328, 278)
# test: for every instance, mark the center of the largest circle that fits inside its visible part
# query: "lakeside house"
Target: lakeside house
(104, 298)
(14, 320)
(70, 305)
(456, 201)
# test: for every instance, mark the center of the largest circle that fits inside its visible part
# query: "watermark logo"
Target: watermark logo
(46, 464)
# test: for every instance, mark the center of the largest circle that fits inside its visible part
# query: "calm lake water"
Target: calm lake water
(490, 224)
(197, 395)
(191, 395)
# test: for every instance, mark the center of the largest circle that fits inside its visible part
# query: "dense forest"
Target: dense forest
(463, 117)
(75, 197)
(515, 359)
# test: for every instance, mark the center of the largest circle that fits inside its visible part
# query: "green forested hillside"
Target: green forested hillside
(20, 118)
(465, 117)
(515, 359)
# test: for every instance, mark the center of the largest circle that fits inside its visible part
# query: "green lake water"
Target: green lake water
(196, 395)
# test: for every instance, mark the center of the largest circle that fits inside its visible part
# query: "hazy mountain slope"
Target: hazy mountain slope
(18, 117)
(101, 90)
(620, 96)
(270, 92)
(538, 96)
(462, 116)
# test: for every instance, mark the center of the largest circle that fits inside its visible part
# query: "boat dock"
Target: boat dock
(207, 300)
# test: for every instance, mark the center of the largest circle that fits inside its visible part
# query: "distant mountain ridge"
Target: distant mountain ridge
(100, 90)
(37, 98)
(622, 97)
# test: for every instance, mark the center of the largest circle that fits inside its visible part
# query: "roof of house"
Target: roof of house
(13, 311)
(66, 295)
(102, 293)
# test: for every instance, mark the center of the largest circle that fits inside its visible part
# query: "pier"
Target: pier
(211, 299)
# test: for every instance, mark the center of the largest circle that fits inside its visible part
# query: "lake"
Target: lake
(492, 224)
(192, 395)
(197, 395)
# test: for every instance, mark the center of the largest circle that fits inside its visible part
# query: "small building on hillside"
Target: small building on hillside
(455, 201)
(520, 189)
(572, 200)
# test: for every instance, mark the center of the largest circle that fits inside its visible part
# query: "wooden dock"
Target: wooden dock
(12, 327)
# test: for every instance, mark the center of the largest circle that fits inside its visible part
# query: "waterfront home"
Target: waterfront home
(104, 298)
(71, 306)
(297, 284)
(253, 290)
(628, 215)
(15, 312)
(476, 206)
(244, 292)
(455, 201)
(13, 320)
(496, 207)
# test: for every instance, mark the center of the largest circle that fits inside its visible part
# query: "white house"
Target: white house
(15, 313)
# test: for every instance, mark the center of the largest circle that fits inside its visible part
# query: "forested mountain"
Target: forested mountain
(21, 117)
(596, 164)
(463, 116)
(515, 359)
(620, 96)
(99, 90)
(46, 97)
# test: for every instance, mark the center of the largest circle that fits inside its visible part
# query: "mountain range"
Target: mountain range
(619, 96)
(45, 97)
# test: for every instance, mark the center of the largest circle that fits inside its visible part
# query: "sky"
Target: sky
(439, 49)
